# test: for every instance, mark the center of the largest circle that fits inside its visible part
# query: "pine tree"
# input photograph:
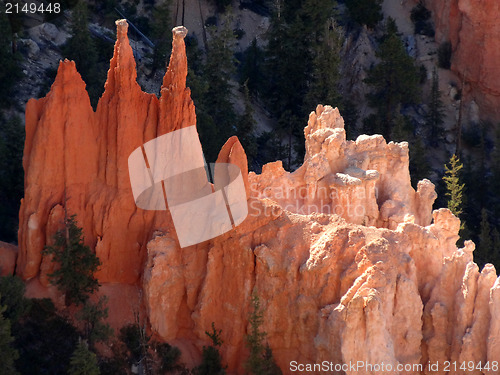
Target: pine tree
(81, 48)
(435, 116)
(93, 316)
(326, 74)
(211, 363)
(485, 241)
(12, 291)
(260, 360)
(161, 34)
(77, 264)
(394, 81)
(495, 162)
(454, 187)
(251, 68)
(419, 165)
(219, 120)
(8, 355)
(295, 35)
(83, 361)
(365, 12)
(9, 61)
(245, 128)
(494, 257)
(11, 175)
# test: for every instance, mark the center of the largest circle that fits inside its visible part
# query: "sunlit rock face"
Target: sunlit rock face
(473, 29)
(349, 261)
(75, 160)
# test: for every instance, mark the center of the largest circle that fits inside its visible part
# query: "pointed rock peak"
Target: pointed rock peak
(67, 79)
(121, 29)
(122, 65)
(179, 32)
(177, 68)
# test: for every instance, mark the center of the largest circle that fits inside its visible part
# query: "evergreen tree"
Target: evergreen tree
(435, 116)
(9, 61)
(161, 34)
(11, 175)
(419, 165)
(83, 361)
(93, 316)
(211, 363)
(454, 187)
(394, 81)
(45, 340)
(77, 264)
(81, 48)
(395, 84)
(260, 360)
(325, 77)
(245, 128)
(494, 257)
(221, 4)
(495, 165)
(251, 68)
(8, 355)
(297, 36)
(485, 240)
(217, 117)
(12, 291)
(365, 12)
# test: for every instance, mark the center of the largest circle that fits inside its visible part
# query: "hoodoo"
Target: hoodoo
(350, 262)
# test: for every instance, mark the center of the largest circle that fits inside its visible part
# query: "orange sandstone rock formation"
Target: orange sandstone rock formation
(349, 261)
(388, 286)
(8, 255)
(75, 160)
(473, 29)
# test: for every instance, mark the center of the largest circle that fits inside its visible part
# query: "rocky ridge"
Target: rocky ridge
(349, 261)
(472, 26)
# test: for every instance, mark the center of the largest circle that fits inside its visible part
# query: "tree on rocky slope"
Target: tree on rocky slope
(394, 81)
(325, 76)
(83, 361)
(11, 175)
(81, 48)
(260, 360)
(8, 355)
(365, 12)
(454, 187)
(435, 116)
(9, 61)
(210, 83)
(76, 263)
(300, 45)
(211, 363)
(161, 34)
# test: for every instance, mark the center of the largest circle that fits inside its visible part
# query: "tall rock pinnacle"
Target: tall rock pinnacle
(75, 160)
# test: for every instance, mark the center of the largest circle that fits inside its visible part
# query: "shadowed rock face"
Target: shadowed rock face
(473, 29)
(350, 263)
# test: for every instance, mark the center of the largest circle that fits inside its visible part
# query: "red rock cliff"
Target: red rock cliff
(473, 29)
(76, 160)
(349, 261)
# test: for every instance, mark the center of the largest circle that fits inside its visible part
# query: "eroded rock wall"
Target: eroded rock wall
(473, 29)
(349, 261)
